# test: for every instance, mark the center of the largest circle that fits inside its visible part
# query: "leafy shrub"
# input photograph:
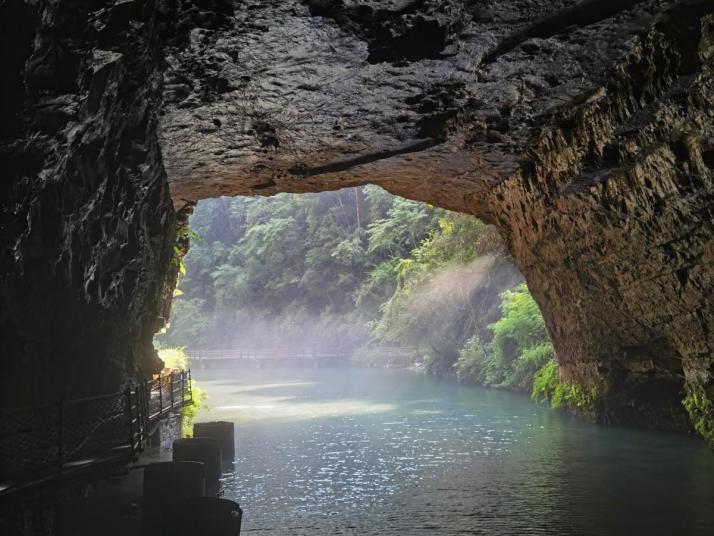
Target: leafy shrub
(473, 360)
(520, 328)
(519, 350)
(529, 362)
(701, 412)
(547, 386)
(174, 358)
(545, 381)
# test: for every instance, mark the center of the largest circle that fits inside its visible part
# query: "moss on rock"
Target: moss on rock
(701, 411)
(547, 385)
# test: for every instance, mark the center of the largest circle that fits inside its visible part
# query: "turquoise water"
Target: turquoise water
(379, 452)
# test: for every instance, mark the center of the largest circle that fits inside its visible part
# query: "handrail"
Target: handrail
(55, 440)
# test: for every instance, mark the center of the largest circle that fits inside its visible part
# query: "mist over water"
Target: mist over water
(355, 451)
(326, 333)
(450, 288)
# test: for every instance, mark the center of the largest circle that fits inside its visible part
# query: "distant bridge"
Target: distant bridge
(285, 357)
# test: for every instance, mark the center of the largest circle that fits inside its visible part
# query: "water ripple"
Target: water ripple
(407, 455)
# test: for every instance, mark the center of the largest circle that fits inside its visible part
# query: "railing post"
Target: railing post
(131, 418)
(140, 413)
(190, 387)
(171, 387)
(146, 388)
(60, 435)
(147, 409)
(161, 401)
(183, 387)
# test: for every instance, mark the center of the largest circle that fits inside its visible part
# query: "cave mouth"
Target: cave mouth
(356, 271)
(361, 273)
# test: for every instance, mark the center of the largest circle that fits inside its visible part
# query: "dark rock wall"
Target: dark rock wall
(86, 219)
(611, 221)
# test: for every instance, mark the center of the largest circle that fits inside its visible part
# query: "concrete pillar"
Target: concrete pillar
(204, 450)
(167, 484)
(221, 431)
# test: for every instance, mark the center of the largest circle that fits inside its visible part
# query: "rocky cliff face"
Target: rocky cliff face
(583, 129)
(611, 218)
(85, 214)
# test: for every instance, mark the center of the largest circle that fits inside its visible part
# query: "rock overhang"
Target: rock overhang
(255, 97)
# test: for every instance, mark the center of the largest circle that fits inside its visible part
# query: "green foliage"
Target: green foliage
(475, 362)
(701, 412)
(520, 327)
(545, 381)
(574, 397)
(189, 320)
(188, 413)
(401, 230)
(440, 298)
(527, 365)
(174, 358)
(520, 356)
(380, 283)
(519, 350)
(547, 386)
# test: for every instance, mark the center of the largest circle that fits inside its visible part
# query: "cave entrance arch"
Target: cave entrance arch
(304, 278)
(598, 184)
(585, 136)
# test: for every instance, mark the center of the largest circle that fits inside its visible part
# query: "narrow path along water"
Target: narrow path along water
(378, 452)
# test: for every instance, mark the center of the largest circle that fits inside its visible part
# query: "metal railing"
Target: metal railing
(46, 443)
(165, 394)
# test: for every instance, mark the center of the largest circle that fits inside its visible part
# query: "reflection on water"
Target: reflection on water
(353, 451)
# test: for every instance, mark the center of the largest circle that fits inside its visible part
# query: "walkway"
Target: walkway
(74, 440)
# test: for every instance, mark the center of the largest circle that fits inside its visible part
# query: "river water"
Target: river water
(378, 452)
